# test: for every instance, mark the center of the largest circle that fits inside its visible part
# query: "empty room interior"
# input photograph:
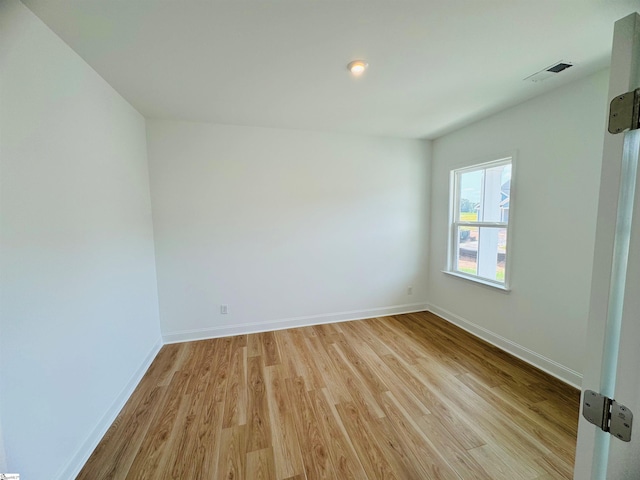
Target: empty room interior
(296, 239)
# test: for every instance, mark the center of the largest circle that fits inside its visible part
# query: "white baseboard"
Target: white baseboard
(295, 322)
(77, 461)
(552, 367)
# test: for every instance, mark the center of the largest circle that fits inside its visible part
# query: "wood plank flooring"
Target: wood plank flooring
(403, 397)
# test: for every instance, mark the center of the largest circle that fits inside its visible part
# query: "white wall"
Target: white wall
(79, 313)
(558, 138)
(3, 455)
(286, 227)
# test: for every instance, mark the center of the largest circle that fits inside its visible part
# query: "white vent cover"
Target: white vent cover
(550, 71)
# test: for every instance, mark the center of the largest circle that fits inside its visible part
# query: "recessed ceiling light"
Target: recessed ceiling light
(357, 67)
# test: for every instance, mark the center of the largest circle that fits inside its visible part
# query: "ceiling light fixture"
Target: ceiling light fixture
(357, 67)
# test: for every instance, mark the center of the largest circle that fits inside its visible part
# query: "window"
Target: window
(480, 205)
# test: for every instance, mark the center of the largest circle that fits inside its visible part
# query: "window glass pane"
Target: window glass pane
(470, 195)
(482, 196)
(467, 258)
(494, 205)
(491, 253)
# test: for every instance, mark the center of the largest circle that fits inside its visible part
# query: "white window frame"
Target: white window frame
(455, 223)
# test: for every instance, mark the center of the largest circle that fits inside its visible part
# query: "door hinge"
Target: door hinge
(624, 112)
(608, 415)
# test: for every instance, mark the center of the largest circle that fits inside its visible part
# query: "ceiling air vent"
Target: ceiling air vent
(549, 72)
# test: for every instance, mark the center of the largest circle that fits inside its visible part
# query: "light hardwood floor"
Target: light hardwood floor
(403, 397)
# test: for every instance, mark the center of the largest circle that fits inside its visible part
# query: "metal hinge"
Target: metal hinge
(608, 415)
(624, 112)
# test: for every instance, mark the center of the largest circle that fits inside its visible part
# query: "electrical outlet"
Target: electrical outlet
(224, 309)
(409, 290)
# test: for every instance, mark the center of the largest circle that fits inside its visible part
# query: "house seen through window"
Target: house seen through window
(480, 207)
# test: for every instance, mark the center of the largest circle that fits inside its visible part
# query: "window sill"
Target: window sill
(486, 283)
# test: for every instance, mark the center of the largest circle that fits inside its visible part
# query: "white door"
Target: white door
(613, 338)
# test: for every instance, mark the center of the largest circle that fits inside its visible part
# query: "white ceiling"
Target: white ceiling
(435, 65)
